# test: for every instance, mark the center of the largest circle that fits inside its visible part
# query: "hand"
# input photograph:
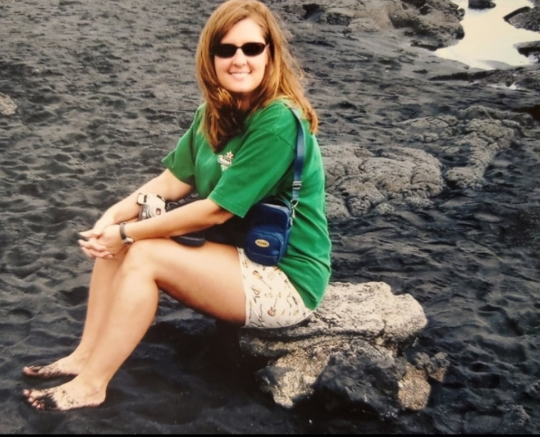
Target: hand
(92, 248)
(90, 245)
(111, 240)
(107, 245)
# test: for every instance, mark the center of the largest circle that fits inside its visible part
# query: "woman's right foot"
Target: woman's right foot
(54, 370)
(65, 397)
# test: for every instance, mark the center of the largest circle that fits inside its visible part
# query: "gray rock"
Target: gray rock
(481, 4)
(525, 18)
(534, 390)
(363, 181)
(7, 106)
(530, 49)
(421, 158)
(434, 22)
(349, 353)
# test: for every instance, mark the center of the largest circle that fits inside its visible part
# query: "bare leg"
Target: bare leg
(99, 301)
(206, 278)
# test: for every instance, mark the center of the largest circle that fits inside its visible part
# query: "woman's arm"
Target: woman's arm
(105, 240)
(166, 185)
(192, 217)
(127, 209)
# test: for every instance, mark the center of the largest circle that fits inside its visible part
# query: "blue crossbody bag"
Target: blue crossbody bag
(271, 220)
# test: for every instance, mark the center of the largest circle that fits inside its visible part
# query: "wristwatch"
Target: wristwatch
(125, 239)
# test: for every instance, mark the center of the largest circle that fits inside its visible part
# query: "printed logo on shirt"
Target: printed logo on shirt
(225, 160)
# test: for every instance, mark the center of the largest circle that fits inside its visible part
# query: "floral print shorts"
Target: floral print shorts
(271, 300)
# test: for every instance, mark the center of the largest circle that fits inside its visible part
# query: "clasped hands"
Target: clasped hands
(103, 241)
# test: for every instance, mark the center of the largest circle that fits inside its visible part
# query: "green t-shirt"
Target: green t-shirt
(259, 163)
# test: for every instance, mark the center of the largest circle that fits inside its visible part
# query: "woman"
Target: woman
(239, 149)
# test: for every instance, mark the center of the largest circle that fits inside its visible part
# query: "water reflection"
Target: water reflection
(489, 40)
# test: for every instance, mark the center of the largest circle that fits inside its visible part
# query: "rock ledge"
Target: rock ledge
(349, 353)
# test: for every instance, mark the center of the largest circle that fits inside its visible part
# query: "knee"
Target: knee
(138, 257)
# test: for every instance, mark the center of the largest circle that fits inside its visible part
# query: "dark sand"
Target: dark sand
(104, 90)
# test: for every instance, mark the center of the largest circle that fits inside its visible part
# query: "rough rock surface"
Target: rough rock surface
(349, 353)
(434, 23)
(530, 49)
(409, 172)
(7, 106)
(526, 18)
(481, 4)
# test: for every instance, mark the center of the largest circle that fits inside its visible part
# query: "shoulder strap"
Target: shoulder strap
(299, 159)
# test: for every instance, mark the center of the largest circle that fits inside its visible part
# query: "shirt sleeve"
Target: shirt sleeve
(181, 160)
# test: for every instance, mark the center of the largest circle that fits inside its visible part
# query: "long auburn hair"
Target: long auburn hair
(283, 76)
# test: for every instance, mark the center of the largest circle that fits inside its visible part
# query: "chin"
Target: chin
(240, 90)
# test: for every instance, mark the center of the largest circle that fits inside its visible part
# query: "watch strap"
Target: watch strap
(123, 236)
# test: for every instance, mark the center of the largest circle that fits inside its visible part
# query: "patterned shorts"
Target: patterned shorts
(271, 300)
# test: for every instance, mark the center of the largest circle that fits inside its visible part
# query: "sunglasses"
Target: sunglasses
(229, 50)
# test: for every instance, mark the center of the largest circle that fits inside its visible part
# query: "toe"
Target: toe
(32, 370)
(47, 402)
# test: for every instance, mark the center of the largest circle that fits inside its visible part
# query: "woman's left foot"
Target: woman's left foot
(46, 372)
(64, 397)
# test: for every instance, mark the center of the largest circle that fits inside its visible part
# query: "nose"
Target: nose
(239, 58)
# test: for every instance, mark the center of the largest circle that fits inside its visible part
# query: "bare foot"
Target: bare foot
(62, 367)
(65, 397)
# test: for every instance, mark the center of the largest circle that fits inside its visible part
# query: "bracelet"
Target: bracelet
(125, 239)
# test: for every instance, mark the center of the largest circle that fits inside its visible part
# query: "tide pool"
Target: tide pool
(489, 41)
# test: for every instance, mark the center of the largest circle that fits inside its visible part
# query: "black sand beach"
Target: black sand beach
(94, 94)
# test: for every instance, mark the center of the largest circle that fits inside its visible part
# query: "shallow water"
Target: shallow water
(489, 40)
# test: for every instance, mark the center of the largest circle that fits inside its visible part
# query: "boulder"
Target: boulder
(7, 106)
(349, 353)
(481, 4)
